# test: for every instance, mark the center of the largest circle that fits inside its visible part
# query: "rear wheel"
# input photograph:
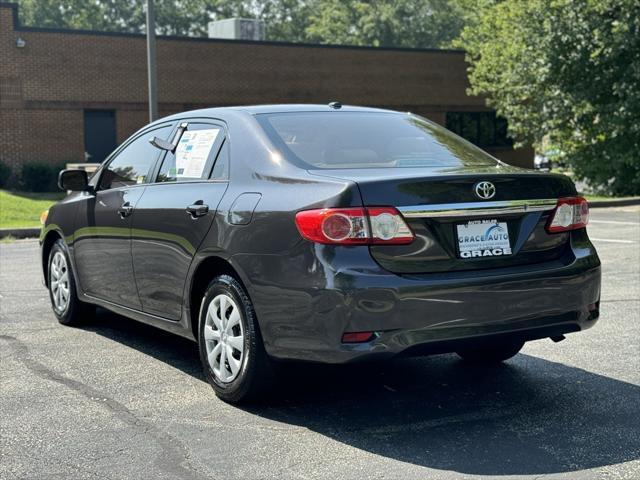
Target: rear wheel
(67, 308)
(494, 353)
(231, 349)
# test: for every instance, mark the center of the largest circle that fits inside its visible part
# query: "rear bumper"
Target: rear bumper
(303, 317)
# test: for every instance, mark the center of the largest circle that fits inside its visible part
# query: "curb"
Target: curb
(20, 232)
(624, 202)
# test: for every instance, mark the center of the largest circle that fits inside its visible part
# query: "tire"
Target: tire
(67, 308)
(488, 354)
(227, 322)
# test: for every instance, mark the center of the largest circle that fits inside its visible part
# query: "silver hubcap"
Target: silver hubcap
(59, 281)
(224, 338)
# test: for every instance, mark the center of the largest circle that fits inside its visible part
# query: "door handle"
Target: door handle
(125, 210)
(198, 209)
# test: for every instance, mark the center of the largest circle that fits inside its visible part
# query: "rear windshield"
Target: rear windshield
(328, 140)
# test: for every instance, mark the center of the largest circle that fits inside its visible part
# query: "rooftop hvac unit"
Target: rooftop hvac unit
(237, 29)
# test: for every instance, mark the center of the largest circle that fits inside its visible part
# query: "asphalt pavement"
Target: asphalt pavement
(118, 400)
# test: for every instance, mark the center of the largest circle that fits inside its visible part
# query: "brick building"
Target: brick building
(68, 95)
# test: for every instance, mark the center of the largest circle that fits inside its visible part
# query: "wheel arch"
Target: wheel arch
(208, 268)
(47, 244)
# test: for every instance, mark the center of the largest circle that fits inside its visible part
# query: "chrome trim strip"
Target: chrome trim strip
(478, 209)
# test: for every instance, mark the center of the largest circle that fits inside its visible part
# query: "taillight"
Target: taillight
(388, 226)
(354, 226)
(570, 213)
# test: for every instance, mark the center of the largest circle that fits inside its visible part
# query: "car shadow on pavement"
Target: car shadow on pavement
(179, 352)
(527, 417)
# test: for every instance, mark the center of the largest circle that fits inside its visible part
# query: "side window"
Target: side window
(194, 155)
(221, 167)
(132, 165)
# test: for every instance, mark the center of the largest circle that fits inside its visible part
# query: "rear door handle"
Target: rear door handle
(198, 209)
(125, 210)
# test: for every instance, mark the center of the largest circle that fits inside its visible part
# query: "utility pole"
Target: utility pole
(151, 62)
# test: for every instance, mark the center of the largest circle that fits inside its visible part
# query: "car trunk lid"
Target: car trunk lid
(450, 219)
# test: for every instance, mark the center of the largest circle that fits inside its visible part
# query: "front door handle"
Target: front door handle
(125, 210)
(198, 209)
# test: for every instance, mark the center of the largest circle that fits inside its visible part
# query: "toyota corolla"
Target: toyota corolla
(320, 233)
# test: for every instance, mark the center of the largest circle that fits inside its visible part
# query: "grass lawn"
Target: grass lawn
(23, 209)
(592, 198)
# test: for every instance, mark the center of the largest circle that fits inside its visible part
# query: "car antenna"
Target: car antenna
(335, 105)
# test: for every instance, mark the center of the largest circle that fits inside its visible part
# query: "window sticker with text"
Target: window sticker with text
(193, 151)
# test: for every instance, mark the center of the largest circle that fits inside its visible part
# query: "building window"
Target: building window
(483, 129)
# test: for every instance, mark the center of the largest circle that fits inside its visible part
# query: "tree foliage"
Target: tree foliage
(398, 23)
(410, 23)
(173, 17)
(565, 73)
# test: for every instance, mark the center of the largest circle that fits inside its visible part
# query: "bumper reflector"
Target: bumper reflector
(357, 337)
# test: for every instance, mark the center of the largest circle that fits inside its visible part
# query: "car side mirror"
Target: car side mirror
(74, 180)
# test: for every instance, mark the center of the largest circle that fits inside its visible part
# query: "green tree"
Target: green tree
(114, 15)
(285, 19)
(565, 73)
(406, 23)
(173, 17)
(398, 23)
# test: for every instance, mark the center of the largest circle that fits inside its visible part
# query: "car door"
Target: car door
(102, 238)
(176, 212)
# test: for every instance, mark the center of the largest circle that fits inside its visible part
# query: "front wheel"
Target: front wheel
(494, 353)
(67, 308)
(231, 349)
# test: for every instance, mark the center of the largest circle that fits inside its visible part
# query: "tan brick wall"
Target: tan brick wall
(128, 121)
(40, 135)
(45, 86)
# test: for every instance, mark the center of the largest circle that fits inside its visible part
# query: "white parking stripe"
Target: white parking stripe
(612, 240)
(613, 222)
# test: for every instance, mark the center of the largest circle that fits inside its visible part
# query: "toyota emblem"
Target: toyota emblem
(485, 190)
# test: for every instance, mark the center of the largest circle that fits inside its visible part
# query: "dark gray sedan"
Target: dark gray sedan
(320, 233)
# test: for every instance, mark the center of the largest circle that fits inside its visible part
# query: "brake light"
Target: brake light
(354, 226)
(570, 213)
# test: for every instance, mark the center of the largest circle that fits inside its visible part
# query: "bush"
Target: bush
(40, 177)
(5, 174)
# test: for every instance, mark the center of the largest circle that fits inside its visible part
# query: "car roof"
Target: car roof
(304, 107)
(275, 108)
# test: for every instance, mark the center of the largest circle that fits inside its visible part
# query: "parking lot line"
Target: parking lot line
(613, 222)
(612, 240)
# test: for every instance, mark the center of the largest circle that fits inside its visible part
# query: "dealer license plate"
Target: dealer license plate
(483, 238)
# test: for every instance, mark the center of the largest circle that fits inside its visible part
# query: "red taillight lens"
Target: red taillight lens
(334, 225)
(357, 337)
(354, 226)
(570, 213)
